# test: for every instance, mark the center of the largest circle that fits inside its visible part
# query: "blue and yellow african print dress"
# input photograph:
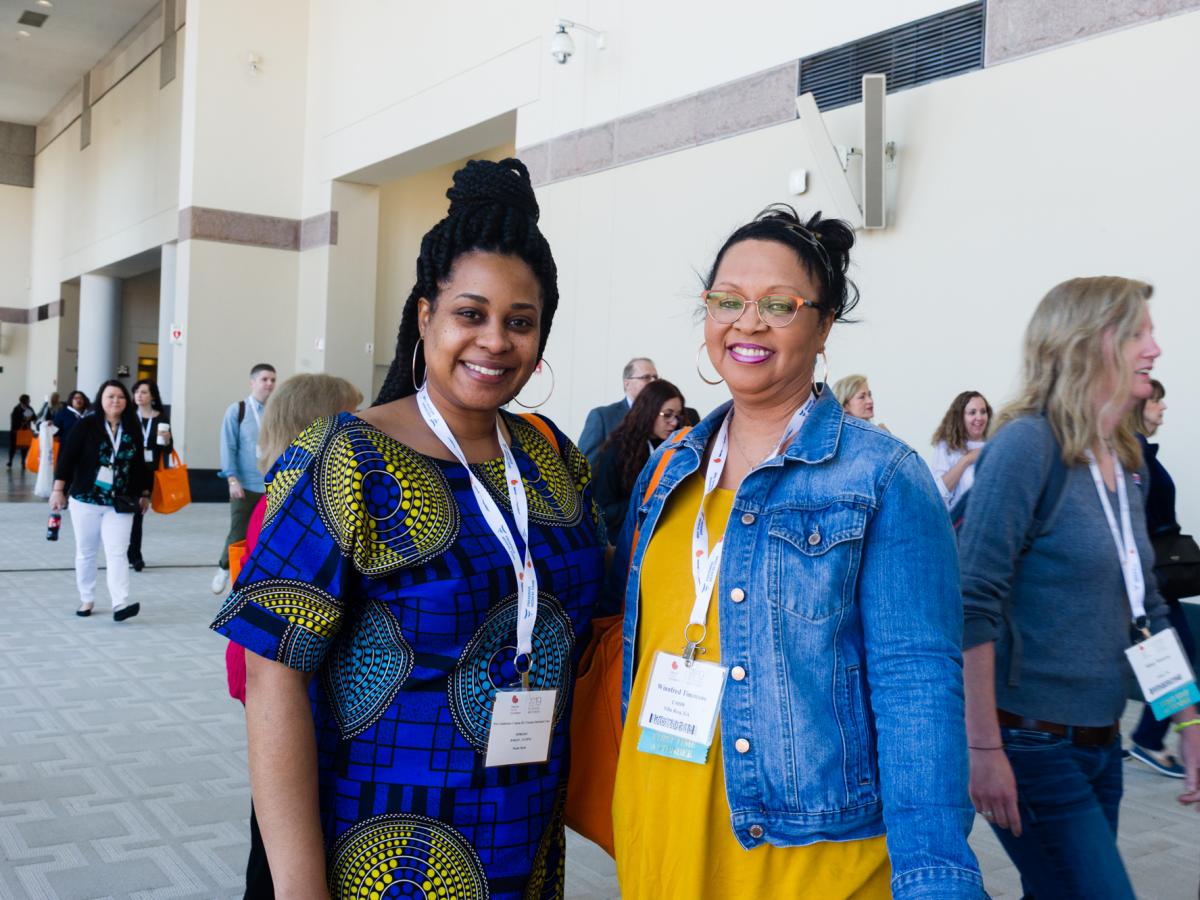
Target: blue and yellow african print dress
(376, 570)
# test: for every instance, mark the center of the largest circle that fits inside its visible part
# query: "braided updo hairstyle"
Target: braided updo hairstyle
(492, 209)
(823, 246)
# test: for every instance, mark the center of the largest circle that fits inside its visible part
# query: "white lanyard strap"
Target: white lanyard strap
(114, 440)
(706, 563)
(147, 425)
(526, 576)
(1127, 551)
(250, 402)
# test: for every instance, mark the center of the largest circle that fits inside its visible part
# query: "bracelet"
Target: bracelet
(971, 747)
(1179, 726)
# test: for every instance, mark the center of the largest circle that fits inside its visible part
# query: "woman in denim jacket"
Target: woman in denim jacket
(835, 614)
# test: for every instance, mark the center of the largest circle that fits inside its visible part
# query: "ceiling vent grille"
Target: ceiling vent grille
(35, 19)
(939, 46)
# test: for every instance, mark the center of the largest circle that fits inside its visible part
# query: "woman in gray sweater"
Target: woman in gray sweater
(1057, 574)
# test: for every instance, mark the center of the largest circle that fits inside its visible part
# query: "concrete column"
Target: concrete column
(99, 327)
(166, 318)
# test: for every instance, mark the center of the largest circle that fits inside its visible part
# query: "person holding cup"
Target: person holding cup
(155, 426)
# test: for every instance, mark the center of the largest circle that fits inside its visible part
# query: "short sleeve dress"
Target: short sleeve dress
(376, 570)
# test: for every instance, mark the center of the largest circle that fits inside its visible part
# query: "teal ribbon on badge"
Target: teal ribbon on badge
(1171, 703)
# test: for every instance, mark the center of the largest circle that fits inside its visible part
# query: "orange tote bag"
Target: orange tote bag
(171, 490)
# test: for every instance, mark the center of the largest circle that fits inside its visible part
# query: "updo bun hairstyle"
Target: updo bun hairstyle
(492, 209)
(823, 246)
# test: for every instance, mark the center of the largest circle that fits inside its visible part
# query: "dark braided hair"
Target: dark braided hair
(492, 209)
(823, 246)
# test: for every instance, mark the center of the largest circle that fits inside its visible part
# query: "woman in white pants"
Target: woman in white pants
(102, 467)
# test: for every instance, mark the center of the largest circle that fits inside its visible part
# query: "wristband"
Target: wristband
(1179, 726)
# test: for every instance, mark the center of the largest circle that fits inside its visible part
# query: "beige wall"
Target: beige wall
(16, 217)
(1008, 180)
(139, 319)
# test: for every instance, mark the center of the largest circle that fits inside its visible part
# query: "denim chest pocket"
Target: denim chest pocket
(814, 558)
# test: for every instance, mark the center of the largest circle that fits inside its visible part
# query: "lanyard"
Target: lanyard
(147, 425)
(707, 563)
(1127, 551)
(116, 441)
(526, 576)
(253, 404)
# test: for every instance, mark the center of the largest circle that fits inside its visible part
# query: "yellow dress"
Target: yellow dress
(671, 818)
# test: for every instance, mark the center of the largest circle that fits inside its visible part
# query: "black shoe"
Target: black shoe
(137, 564)
(84, 610)
(126, 612)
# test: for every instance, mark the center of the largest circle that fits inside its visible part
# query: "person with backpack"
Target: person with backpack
(1058, 582)
(239, 462)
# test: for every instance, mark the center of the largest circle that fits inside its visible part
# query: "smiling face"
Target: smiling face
(1134, 364)
(862, 403)
(670, 418)
(482, 334)
(762, 364)
(975, 418)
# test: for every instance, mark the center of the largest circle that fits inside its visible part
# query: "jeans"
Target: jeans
(95, 525)
(1150, 731)
(1069, 798)
(239, 518)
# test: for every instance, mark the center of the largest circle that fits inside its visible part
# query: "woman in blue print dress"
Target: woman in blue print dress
(414, 562)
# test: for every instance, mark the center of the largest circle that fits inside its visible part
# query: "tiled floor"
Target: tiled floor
(122, 759)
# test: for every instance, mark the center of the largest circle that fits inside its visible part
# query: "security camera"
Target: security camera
(562, 48)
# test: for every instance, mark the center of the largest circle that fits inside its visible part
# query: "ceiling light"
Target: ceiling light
(22, 33)
(45, 3)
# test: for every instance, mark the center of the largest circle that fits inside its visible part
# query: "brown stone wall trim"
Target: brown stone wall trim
(201, 223)
(320, 230)
(1017, 28)
(20, 315)
(748, 104)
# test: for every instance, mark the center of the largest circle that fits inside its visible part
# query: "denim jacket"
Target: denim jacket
(839, 595)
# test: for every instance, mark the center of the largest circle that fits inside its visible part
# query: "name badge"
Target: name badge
(679, 711)
(522, 723)
(104, 477)
(148, 455)
(1167, 681)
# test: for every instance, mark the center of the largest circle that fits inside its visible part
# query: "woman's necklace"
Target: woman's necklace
(737, 442)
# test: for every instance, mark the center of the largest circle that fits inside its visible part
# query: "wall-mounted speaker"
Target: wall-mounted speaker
(874, 200)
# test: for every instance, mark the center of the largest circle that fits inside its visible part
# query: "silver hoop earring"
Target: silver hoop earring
(416, 347)
(824, 374)
(702, 349)
(541, 362)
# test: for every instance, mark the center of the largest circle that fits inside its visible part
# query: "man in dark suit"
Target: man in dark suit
(603, 420)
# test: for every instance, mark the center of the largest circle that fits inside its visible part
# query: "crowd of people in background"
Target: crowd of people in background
(417, 572)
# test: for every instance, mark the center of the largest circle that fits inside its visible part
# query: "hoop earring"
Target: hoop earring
(417, 387)
(825, 374)
(545, 363)
(700, 350)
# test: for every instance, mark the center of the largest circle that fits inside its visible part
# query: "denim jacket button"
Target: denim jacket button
(738, 673)
(741, 745)
(737, 595)
(756, 831)
(747, 518)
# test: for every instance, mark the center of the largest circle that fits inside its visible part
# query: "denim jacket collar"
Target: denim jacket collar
(817, 441)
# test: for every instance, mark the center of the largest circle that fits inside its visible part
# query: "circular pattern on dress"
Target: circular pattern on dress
(366, 668)
(387, 506)
(486, 665)
(405, 855)
(550, 488)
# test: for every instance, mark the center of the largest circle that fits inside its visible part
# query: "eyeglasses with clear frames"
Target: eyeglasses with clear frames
(774, 310)
(670, 416)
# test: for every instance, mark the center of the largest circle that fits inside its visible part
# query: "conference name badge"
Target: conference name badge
(148, 455)
(680, 709)
(1162, 671)
(104, 478)
(522, 723)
